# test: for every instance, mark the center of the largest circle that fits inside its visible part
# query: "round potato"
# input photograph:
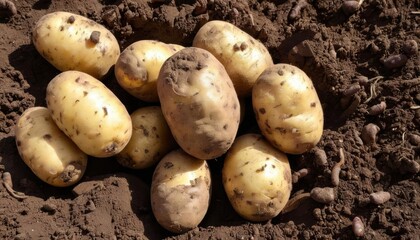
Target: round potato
(138, 67)
(288, 109)
(73, 42)
(244, 57)
(89, 113)
(151, 139)
(47, 151)
(199, 103)
(257, 178)
(180, 192)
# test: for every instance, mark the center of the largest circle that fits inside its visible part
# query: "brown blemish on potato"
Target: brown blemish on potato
(146, 150)
(243, 46)
(168, 165)
(76, 101)
(281, 130)
(261, 169)
(280, 72)
(18, 143)
(249, 202)
(262, 110)
(313, 104)
(110, 148)
(105, 111)
(225, 126)
(85, 93)
(238, 193)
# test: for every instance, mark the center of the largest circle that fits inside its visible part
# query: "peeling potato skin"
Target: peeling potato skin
(236, 50)
(287, 108)
(180, 191)
(257, 178)
(47, 151)
(138, 67)
(72, 42)
(89, 113)
(151, 139)
(199, 103)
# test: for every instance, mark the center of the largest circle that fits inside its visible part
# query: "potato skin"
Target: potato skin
(180, 191)
(199, 103)
(237, 51)
(288, 109)
(73, 42)
(89, 113)
(151, 139)
(138, 67)
(257, 178)
(47, 151)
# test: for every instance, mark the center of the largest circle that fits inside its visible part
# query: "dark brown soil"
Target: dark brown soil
(113, 203)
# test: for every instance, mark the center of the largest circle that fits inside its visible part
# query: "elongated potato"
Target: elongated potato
(73, 42)
(288, 109)
(151, 139)
(138, 67)
(89, 113)
(257, 178)
(244, 57)
(199, 103)
(180, 192)
(47, 151)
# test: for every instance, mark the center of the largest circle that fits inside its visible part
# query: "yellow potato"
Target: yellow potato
(89, 113)
(288, 109)
(199, 103)
(244, 57)
(257, 178)
(151, 139)
(47, 151)
(73, 42)
(180, 192)
(138, 67)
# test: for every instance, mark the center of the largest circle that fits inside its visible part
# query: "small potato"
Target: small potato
(89, 113)
(288, 109)
(180, 192)
(47, 151)
(257, 178)
(199, 103)
(244, 57)
(72, 42)
(151, 139)
(138, 67)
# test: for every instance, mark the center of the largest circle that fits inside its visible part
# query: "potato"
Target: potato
(47, 151)
(138, 67)
(89, 113)
(288, 109)
(180, 191)
(72, 42)
(244, 57)
(199, 103)
(257, 178)
(151, 139)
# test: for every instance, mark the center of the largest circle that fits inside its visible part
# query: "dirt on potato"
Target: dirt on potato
(356, 61)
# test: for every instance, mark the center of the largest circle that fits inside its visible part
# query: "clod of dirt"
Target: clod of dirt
(320, 157)
(358, 227)
(7, 9)
(395, 61)
(380, 197)
(377, 109)
(323, 195)
(369, 133)
(414, 139)
(295, 12)
(410, 47)
(87, 187)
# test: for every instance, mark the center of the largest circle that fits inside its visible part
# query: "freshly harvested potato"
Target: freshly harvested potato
(73, 42)
(199, 103)
(138, 67)
(151, 139)
(288, 109)
(244, 57)
(180, 192)
(47, 151)
(89, 113)
(257, 178)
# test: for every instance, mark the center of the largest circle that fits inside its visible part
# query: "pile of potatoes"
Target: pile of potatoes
(196, 91)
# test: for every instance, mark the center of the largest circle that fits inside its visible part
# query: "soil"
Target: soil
(346, 56)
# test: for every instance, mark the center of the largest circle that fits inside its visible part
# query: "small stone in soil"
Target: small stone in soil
(49, 207)
(323, 195)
